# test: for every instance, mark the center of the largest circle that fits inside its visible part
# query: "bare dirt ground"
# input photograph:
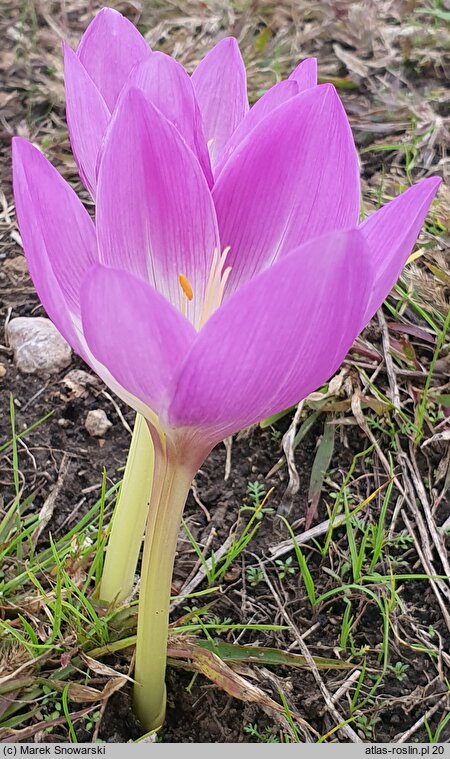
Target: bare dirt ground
(390, 60)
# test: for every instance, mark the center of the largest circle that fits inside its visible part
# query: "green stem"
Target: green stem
(129, 517)
(173, 477)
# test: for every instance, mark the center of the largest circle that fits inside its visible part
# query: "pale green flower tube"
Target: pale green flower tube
(129, 518)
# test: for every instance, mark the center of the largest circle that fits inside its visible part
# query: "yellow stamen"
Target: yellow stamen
(185, 286)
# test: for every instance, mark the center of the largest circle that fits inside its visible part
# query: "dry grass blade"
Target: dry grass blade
(48, 507)
(102, 669)
(284, 509)
(84, 694)
(407, 735)
(393, 384)
(34, 663)
(429, 570)
(216, 670)
(346, 729)
(439, 437)
(359, 416)
(436, 537)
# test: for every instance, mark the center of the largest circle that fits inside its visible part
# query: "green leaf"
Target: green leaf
(436, 12)
(267, 656)
(442, 400)
(319, 469)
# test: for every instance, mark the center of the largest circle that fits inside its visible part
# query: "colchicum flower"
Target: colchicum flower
(207, 108)
(209, 294)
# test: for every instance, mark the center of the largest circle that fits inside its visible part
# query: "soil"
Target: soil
(197, 710)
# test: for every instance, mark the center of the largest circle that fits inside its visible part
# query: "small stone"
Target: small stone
(38, 347)
(2, 370)
(97, 423)
(77, 381)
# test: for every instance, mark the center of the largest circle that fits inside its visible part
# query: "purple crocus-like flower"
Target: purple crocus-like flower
(207, 109)
(207, 311)
(227, 274)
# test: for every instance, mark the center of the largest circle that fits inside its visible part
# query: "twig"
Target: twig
(319, 529)
(71, 515)
(228, 443)
(35, 396)
(117, 410)
(197, 500)
(425, 717)
(346, 685)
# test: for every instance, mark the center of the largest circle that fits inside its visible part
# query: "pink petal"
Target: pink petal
(168, 87)
(108, 50)
(391, 233)
(155, 215)
(274, 97)
(87, 118)
(220, 84)
(293, 178)
(57, 234)
(134, 332)
(305, 74)
(60, 246)
(276, 340)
